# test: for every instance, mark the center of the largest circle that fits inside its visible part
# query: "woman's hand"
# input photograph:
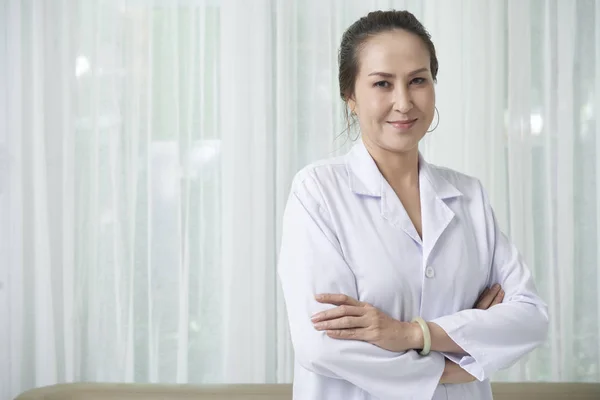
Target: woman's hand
(356, 320)
(490, 297)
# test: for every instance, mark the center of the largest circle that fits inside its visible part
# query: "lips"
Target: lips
(404, 124)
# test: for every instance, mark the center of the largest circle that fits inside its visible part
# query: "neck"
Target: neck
(400, 169)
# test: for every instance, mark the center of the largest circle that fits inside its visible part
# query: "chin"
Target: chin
(399, 145)
(403, 142)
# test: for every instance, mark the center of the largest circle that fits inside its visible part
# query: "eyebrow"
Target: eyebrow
(388, 75)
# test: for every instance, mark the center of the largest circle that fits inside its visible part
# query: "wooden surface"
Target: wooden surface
(106, 391)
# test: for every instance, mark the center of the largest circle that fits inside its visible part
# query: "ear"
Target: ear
(351, 105)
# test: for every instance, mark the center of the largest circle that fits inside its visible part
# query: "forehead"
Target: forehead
(394, 51)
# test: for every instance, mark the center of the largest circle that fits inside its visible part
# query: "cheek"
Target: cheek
(379, 107)
(426, 102)
(372, 105)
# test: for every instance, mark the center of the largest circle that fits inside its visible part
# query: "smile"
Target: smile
(403, 125)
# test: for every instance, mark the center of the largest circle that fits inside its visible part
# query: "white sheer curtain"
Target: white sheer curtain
(146, 151)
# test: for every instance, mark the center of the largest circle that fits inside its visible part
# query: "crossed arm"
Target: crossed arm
(356, 320)
(471, 343)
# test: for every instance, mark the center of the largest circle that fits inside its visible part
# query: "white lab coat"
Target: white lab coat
(345, 231)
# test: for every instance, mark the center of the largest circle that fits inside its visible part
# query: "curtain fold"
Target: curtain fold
(147, 149)
(247, 107)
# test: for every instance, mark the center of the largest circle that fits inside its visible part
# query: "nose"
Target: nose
(402, 99)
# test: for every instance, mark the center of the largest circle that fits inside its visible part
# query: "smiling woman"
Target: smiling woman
(426, 289)
(402, 76)
(405, 82)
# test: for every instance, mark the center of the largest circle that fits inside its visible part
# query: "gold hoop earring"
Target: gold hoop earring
(438, 121)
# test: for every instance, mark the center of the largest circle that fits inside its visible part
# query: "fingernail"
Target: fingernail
(496, 286)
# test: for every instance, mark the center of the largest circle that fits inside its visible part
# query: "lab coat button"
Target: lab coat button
(429, 272)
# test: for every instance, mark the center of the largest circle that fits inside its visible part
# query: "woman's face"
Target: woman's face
(394, 96)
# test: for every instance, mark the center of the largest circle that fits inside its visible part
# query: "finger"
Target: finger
(486, 300)
(494, 293)
(341, 323)
(498, 299)
(338, 312)
(349, 334)
(483, 302)
(336, 299)
(481, 296)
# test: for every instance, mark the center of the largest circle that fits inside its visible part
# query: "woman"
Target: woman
(383, 255)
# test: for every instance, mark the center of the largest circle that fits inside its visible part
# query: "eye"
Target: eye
(418, 81)
(382, 84)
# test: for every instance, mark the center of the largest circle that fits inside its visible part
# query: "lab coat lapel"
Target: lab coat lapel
(393, 210)
(366, 180)
(436, 215)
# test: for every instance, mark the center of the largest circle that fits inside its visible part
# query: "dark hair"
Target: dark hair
(374, 23)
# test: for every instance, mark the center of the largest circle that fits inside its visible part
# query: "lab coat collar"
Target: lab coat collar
(366, 179)
(436, 215)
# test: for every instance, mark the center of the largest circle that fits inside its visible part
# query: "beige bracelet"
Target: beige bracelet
(426, 335)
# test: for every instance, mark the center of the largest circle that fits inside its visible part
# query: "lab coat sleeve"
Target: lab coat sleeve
(498, 337)
(311, 262)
